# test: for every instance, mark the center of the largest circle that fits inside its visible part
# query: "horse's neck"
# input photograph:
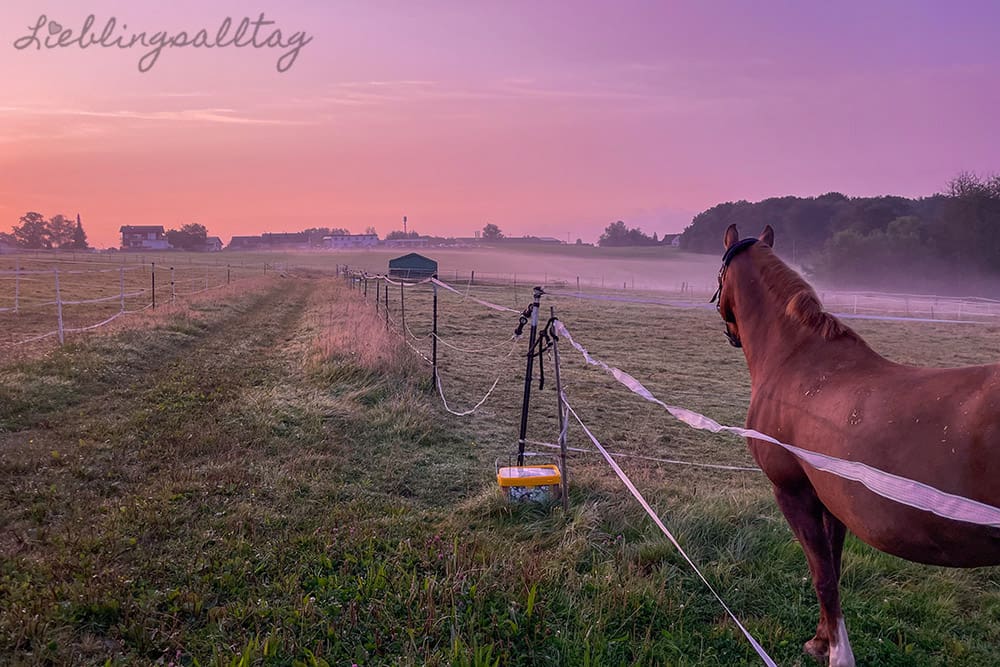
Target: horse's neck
(771, 339)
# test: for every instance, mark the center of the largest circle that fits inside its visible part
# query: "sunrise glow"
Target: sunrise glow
(544, 118)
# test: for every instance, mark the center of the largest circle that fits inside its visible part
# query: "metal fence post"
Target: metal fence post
(152, 274)
(562, 420)
(59, 312)
(434, 335)
(17, 283)
(402, 310)
(527, 375)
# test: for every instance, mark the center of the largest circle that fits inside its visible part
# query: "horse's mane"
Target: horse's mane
(801, 303)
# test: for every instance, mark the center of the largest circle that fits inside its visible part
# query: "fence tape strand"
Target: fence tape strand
(894, 487)
(643, 457)
(659, 524)
(503, 309)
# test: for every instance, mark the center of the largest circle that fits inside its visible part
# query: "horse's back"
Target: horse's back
(939, 427)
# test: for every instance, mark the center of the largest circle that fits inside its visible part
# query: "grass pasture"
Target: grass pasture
(93, 288)
(270, 479)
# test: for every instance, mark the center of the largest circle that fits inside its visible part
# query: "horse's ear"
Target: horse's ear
(731, 237)
(767, 236)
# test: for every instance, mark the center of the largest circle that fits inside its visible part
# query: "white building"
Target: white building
(144, 237)
(350, 241)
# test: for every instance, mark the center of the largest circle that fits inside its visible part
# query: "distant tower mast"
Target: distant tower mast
(404, 225)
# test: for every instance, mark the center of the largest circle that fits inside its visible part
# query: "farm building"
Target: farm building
(213, 244)
(413, 266)
(417, 242)
(350, 241)
(143, 237)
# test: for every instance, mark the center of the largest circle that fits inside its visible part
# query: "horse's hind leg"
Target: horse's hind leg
(822, 538)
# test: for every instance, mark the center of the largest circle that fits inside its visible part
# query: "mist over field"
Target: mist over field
(631, 268)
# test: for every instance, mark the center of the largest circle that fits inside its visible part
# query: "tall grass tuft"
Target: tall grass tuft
(350, 333)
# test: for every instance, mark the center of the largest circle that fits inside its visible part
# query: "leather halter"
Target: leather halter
(733, 250)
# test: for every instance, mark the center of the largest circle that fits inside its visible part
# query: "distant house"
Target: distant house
(284, 240)
(270, 241)
(143, 237)
(412, 266)
(244, 243)
(350, 241)
(213, 244)
(418, 242)
(524, 240)
(671, 240)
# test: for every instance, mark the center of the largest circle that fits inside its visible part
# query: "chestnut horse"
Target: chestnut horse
(817, 385)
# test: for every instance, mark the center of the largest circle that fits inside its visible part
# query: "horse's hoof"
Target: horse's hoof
(817, 647)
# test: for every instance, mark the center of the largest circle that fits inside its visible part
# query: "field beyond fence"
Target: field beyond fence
(268, 477)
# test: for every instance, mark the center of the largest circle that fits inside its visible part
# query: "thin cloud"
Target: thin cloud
(207, 115)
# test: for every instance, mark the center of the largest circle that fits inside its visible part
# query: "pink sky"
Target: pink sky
(552, 118)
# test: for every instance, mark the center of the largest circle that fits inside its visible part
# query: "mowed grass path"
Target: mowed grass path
(270, 481)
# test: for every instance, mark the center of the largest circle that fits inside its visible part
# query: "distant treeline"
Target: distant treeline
(878, 241)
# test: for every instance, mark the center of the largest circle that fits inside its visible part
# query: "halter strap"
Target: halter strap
(736, 249)
(733, 250)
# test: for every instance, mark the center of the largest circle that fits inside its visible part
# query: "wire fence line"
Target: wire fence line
(38, 304)
(847, 304)
(888, 485)
(401, 329)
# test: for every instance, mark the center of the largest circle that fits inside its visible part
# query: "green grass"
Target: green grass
(270, 481)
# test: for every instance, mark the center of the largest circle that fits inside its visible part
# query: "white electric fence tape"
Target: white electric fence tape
(401, 282)
(489, 348)
(114, 297)
(643, 457)
(697, 305)
(415, 336)
(93, 326)
(488, 393)
(494, 306)
(659, 524)
(899, 489)
(475, 407)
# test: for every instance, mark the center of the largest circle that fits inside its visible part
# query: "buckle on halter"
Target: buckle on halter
(733, 340)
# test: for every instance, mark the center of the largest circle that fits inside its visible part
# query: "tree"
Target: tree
(618, 234)
(33, 232)
(61, 231)
(400, 234)
(191, 236)
(79, 241)
(615, 234)
(370, 229)
(969, 227)
(491, 232)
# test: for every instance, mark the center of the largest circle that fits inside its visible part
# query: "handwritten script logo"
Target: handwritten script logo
(257, 34)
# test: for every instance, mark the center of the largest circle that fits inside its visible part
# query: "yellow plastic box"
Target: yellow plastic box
(538, 482)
